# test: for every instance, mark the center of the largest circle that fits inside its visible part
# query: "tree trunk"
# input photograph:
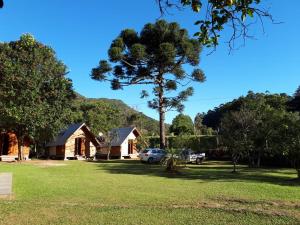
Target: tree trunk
(108, 152)
(171, 164)
(234, 167)
(258, 159)
(235, 159)
(20, 148)
(218, 142)
(251, 160)
(162, 132)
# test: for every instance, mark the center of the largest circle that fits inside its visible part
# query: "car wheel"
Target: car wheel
(150, 160)
(199, 161)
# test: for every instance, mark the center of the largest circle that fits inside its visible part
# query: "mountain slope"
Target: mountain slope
(102, 114)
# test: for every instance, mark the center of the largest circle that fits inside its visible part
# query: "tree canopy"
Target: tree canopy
(294, 103)
(154, 57)
(261, 126)
(35, 94)
(217, 15)
(213, 117)
(182, 125)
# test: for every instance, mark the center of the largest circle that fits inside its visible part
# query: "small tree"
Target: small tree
(112, 136)
(182, 125)
(237, 134)
(289, 136)
(198, 122)
(155, 57)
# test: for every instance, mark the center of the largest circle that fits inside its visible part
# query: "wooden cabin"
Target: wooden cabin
(76, 142)
(9, 147)
(123, 145)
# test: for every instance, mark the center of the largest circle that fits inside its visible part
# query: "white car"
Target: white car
(189, 156)
(152, 155)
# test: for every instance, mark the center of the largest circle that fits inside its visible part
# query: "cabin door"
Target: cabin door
(79, 146)
(130, 146)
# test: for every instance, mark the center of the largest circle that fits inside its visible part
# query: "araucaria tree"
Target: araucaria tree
(155, 57)
(35, 94)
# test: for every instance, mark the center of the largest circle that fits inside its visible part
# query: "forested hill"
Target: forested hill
(102, 114)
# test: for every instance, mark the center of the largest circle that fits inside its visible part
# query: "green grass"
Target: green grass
(128, 192)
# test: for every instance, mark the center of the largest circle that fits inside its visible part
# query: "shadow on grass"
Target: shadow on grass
(209, 171)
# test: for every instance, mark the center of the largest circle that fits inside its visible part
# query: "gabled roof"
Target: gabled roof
(123, 133)
(64, 135)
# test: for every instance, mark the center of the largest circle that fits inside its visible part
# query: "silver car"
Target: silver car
(152, 155)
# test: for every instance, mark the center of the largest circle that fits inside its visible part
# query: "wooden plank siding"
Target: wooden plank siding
(9, 145)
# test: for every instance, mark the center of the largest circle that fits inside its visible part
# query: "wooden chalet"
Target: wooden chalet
(76, 142)
(123, 145)
(9, 147)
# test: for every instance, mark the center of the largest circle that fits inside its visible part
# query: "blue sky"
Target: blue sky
(81, 33)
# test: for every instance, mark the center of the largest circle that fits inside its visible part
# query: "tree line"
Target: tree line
(253, 128)
(259, 125)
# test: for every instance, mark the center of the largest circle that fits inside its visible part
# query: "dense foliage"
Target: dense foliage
(260, 126)
(35, 94)
(154, 57)
(294, 104)
(182, 125)
(213, 117)
(194, 142)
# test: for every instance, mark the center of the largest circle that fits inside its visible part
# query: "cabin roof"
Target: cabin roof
(64, 135)
(123, 133)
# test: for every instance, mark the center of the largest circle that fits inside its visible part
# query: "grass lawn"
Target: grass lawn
(128, 192)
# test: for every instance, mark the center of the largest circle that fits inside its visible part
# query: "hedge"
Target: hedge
(196, 143)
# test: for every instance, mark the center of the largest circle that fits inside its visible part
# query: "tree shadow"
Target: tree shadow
(207, 172)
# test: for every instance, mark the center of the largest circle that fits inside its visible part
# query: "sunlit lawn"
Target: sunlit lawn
(128, 192)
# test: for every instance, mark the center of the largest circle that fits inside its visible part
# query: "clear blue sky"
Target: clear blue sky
(81, 31)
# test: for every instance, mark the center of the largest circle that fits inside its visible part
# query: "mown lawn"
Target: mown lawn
(128, 192)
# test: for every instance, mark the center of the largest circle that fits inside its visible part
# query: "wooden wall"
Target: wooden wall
(115, 151)
(13, 145)
(87, 148)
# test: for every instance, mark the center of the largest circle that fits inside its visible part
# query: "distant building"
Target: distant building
(9, 146)
(76, 142)
(123, 145)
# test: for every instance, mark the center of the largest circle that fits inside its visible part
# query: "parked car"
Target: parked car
(152, 155)
(190, 156)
